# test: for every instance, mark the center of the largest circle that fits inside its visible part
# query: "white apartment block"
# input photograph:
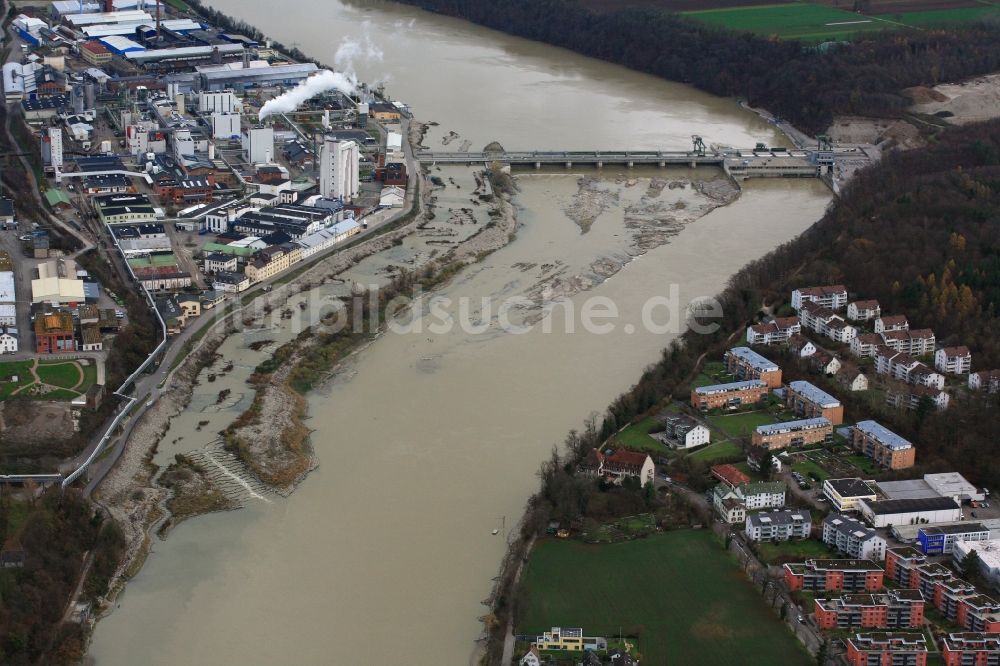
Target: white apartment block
(773, 332)
(866, 344)
(863, 310)
(916, 342)
(906, 369)
(985, 380)
(782, 525)
(853, 538)
(953, 360)
(832, 296)
(891, 323)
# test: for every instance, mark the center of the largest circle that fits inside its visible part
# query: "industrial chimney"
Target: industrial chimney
(109, 5)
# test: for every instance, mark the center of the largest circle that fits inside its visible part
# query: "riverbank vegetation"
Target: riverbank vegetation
(919, 233)
(791, 79)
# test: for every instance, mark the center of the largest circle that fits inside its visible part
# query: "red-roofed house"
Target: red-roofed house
(953, 360)
(629, 465)
(730, 475)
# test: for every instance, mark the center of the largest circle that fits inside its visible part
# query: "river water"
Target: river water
(427, 440)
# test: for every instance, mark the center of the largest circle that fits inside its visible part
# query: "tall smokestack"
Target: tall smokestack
(157, 21)
(109, 5)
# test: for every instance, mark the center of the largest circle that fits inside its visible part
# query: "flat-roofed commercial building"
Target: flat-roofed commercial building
(845, 494)
(729, 396)
(744, 363)
(809, 401)
(941, 539)
(882, 513)
(776, 436)
(882, 445)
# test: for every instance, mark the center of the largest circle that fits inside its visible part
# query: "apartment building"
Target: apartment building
(846, 494)
(570, 639)
(916, 342)
(892, 609)
(863, 310)
(745, 364)
(978, 612)
(906, 368)
(272, 260)
(781, 525)
(834, 576)
(985, 380)
(728, 505)
(808, 401)
(887, 649)
(891, 323)
(830, 296)
(912, 397)
(882, 445)
(953, 360)
(840, 331)
(777, 436)
(774, 332)
(684, 430)
(853, 538)
(866, 344)
(729, 396)
(971, 649)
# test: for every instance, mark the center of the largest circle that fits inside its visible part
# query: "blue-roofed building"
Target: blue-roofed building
(809, 401)
(744, 363)
(882, 445)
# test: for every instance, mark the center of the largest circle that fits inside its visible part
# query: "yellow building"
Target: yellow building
(570, 639)
(272, 260)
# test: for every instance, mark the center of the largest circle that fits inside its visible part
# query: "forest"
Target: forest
(802, 84)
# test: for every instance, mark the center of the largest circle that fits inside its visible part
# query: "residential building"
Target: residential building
(840, 331)
(619, 465)
(339, 165)
(953, 360)
(826, 322)
(226, 282)
(834, 576)
(8, 340)
(124, 208)
(824, 363)
(756, 455)
(831, 296)
(852, 537)
(808, 401)
(272, 260)
(916, 342)
(866, 344)
(189, 304)
(845, 494)
(569, 639)
(776, 436)
(218, 261)
(985, 380)
(891, 323)
(531, 657)
(892, 609)
(885, 649)
(971, 649)
(728, 504)
(912, 397)
(863, 310)
(882, 513)
(801, 346)
(745, 364)
(729, 396)
(776, 331)
(763, 495)
(904, 367)
(685, 431)
(941, 539)
(54, 333)
(859, 382)
(779, 525)
(882, 445)
(90, 338)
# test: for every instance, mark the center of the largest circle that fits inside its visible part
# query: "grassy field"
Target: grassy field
(636, 437)
(740, 425)
(64, 374)
(718, 451)
(803, 21)
(792, 551)
(10, 369)
(682, 590)
(806, 466)
(941, 17)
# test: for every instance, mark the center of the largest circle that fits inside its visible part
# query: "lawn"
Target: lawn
(636, 437)
(10, 369)
(804, 465)
(802, 21)
(942, 17)
(740, 425)
(64, 374)
(792, 551)
(681, 589)
(864, 464)
(718, 451)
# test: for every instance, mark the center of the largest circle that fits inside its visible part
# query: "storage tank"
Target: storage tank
(90, 95)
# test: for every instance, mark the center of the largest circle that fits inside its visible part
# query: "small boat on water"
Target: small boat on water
(503, 525)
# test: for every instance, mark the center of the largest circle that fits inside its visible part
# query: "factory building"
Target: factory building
(339, 165)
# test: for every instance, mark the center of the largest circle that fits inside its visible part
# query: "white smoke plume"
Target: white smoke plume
(351, 51)
(314, 85)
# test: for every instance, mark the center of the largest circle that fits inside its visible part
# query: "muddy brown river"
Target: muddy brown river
(428, 439)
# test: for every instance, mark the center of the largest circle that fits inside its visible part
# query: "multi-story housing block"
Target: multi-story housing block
(782, 525)
(892, 609)
(953, 360)
(916, 342)
(882, 445)
(887, 649)
(746, 364)
(863, 310)
(776, 331)
(808, 401)
(985, 380)
(852, 537)
(891, 323)
(830, 296)
(729, 396)
(971, 649)
(777, 436)
(834, 576)
(866, 344)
